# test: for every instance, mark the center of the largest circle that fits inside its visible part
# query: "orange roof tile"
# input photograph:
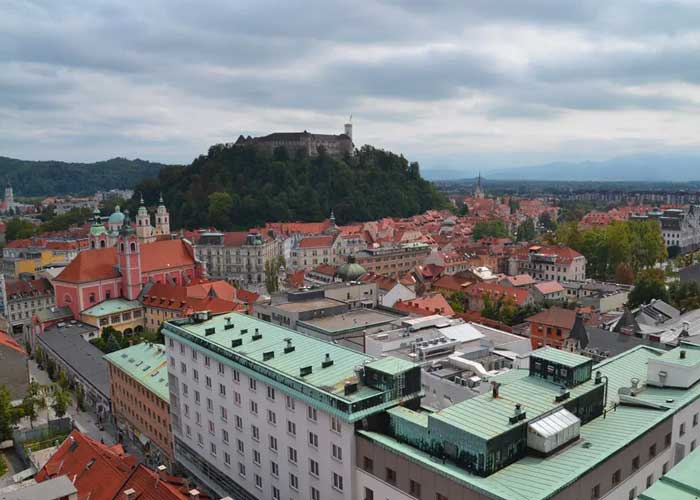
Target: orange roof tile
(8, 341)
(554, 316)
(433, 303)
(316, 242)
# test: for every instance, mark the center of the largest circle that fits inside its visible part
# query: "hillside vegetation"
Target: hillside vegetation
(240, 187)
(55, 178)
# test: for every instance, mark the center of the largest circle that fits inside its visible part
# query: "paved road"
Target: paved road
(14, 465)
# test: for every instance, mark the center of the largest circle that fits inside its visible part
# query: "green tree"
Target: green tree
(685, 296)
(526, 231)
(272, 268)
(490, 229)
(547, 223)
(80, 397)
(568, 234)
(8, 416)
(112, 344)
(458, 301)
(61, 401)
(18, 229)
(63, 381)
(650, 284)
(220, 208)
(513, 205)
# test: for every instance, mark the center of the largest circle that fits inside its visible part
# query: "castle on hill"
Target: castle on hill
(305, 143)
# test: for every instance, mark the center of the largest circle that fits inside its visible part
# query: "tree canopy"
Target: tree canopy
(17, 229)
(240, 187)
(495, 228)
(650, 284)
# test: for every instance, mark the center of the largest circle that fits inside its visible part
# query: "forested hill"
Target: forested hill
(42, 178)
(240, 187)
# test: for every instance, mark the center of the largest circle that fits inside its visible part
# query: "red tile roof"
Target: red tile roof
(96, 470)
(554, 316)
(187, 300)
(433, 303)
(149, 486)
(28, 288)
(494, 291)
(25, 243)
(520, 280)
(100, 263)
(316, 242)
(383, 282)
(299, 227)
(326, 269)
(548, 287)
(451, 283)
(8, 341)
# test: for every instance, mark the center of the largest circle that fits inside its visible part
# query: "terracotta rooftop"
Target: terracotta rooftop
(316, 242)
(554, 316)
(427, 305)
(8, 341)
(518, 295)
(547, 287)
(27, 288)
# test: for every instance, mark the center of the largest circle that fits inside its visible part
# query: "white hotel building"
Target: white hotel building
(262, 412)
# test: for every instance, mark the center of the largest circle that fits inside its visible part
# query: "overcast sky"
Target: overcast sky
(465, 83)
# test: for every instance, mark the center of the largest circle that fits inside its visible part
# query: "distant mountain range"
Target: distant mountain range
(41, 178)
(643, 167)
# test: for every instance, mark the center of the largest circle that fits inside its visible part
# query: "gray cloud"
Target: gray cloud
(170, 77)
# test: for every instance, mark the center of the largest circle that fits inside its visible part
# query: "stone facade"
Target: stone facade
(305, 143)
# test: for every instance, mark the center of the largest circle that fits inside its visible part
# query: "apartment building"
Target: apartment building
(563, 429)
(138, 382)
(260, 411)
(550, 263)
(22, 299)
(237, 256)
(393, 260)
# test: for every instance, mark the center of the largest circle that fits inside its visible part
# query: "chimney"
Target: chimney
(162, 471)
(494, 389)
(682, 353)
(129, 494)
(194, 494)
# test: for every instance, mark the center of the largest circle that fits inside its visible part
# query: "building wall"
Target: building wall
(399, 292)
(20, 311)
(128, 320)
(237, 402)
(392, 263)
(544, 335)
(141, 409)
(14, 372)
(244, 264)
(155, 316)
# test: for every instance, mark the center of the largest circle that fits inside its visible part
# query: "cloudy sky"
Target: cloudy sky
(454, 83)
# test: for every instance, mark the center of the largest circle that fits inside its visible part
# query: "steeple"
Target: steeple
(478, 191)
(162, 218)
(144, 230)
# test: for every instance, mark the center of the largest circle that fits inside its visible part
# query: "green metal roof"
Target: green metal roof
(391, 365)
(147, 364)
(415, 417)
(535, 478)
(681, 483)
(112, 306)
(564, 358)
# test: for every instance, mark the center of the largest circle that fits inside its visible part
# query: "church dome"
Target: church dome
(351, 270)
(117, 217)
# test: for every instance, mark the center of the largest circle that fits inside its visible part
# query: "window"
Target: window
(635, 463)
(390, 476)
(369, 494)
(414, 488)
(256, 457)
(632, 494)
(695, 420)
(211, 427)
(313, 467)
(194, 355)
(293, 482)
(271, 392)
(183, 367)
(313, 439)
(200, 439)
(275, 493)
(195, 375)
(222, 390)
(236, 376)
(210, 405)
(337, 481)
(616, 477)
(240, 446)
(291, 428)
(652, 451)
(207, 381)
(227, 458)
(667, 440)
(239, 423)
(258, 482)
(292, 454)
(237, 398)
(196, 397)
(256, 432)
(335, 424)
(312, 414)
(595, 492)
(253, 407)
(682, 430)
(224, 435)
(253, 384)
(187, 410)
(274, 469)
(212, 449)
(273, 443)
(188, 431)
(184, 389)
(197, 418)
(224, 413)
(337, 452)
(290, 403)
(315, 494)
(271, 417)
(241, 469)
(368, 464)
(221, 368)
(650, 480)
(207, 361)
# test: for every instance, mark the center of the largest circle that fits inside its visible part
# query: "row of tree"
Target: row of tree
(617, 251)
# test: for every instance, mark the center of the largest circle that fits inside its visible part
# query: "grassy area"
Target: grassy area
(3, 465)
(46, 443)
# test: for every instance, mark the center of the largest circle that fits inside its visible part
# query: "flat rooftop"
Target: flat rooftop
(51, 489)
(309, 305)
(536, 478)
(147, 364)
(112, 306)
(357, 319)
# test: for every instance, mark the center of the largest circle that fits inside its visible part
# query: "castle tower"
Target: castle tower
(9, 197)
(129, 259)
(348, 128)
(162, 218)
(144, 230)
